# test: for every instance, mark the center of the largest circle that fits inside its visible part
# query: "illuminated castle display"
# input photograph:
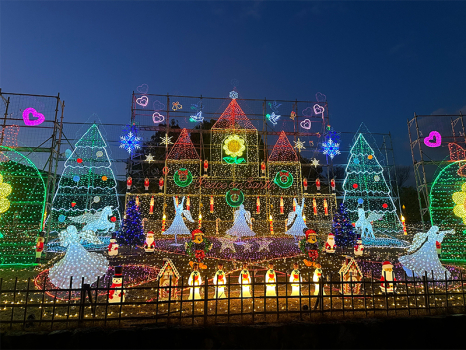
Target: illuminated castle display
(235, 174)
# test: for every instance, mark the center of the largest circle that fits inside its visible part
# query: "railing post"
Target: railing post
(206, 299)
(82, 300)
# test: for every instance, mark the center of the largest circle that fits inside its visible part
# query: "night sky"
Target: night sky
(377, 62)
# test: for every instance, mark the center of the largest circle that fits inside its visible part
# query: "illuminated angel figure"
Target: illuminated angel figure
(422, 254)
(240, 226)
(364, 224)
(297, 229)
(178, 227)
(78, 262)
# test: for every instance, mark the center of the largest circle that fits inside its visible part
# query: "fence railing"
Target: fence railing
(27, 306)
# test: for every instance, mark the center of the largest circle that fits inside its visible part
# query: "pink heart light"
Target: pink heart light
(142, 101)
(433, 140)
(157, 118)
(40, 117)
(318, 109)
(305, 124)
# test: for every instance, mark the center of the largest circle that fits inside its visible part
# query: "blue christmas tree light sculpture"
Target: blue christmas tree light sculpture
(343, 229)
(131, 231)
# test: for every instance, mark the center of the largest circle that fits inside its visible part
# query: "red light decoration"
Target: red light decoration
(355, 186)
(113, 219)
(385, 205)
(283, 151)
(79, 160)
(183, 148)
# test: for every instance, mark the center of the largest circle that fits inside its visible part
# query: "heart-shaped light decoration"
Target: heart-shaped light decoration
(142, 101)
(40, 117)
(305, 124)
(143, 88)
(157, 118)
(433, 140)
(318, 109)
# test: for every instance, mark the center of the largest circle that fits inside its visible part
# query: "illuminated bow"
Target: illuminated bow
(183, 172)
(284, 173)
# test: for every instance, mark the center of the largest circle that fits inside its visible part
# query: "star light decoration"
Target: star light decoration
(299, 145)
(330, 148)
(264, 245)
(149, 158)
(130, 142)
(166, 140)
(315, 162)
(247, 247)
(227, 243)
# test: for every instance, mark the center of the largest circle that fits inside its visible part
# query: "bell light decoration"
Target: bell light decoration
(318, 184)
(325, 207)
(129, 182)
(151, 210)
(146, 184)
(161, 183)
(206, 165)
(314, 206)
(211, 204)
(258, 205)
(281, 205)
(305, 184)
(188, 204)
(263, 168)
(332, 184)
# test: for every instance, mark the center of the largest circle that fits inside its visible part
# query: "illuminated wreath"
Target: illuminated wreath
(284, 179)
(234, 197)
(183, 177)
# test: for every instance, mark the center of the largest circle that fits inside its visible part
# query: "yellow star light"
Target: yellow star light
(460, 200)
(234, 146)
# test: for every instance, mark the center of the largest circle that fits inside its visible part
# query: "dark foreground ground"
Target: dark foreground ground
(437, 332)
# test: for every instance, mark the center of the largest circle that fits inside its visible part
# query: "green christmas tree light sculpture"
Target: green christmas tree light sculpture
(86, 193)
(365, 187)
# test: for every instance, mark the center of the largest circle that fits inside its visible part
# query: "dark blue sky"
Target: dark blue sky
(377, 62)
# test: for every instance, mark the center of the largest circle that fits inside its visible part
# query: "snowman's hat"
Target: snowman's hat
(118, 271)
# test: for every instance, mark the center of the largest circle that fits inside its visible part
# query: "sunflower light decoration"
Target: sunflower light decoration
(460, 200)
(5, 191)
(234, 148)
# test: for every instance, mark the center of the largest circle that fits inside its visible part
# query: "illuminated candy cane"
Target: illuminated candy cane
(188, 204)
(281, 205)
(325, 207)
(314, 205)
(211, 204)
(217, 223)
(250, 224)
(151, 211)
(258, 205)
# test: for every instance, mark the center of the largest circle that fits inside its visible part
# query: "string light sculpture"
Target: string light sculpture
(365, 181)
(86, 187)
(342, 228)
(77, 262)
(130, 141)
(240, 226)
(299, 225)
(22, 206)
(178, 227)
(132, 232)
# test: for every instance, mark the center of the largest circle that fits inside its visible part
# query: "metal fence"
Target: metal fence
(35, 307)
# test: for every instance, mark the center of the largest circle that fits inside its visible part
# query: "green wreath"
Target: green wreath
(181, 183)
(279, 176)
(233, 203)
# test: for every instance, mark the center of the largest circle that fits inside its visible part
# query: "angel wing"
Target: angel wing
(85, 218)
(236, 215)
(62, 236)
(247, 215)
(374, 216)
(418, 240)
(174, 201)
(302, 203)
(182, 203)
(291, 216)
(441, 235)
(187, 215)
(89, 236)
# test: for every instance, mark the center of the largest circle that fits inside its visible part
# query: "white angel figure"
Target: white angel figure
(240, 226)
(364, 224)
(178, 227)
(422, 254)
(78, 262)
(297, 229)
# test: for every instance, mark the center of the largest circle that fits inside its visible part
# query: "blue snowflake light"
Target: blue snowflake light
(130, 142)
(330, 148)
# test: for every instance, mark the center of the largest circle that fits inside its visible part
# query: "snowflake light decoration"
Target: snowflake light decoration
(167, 140)
(330, 148)
(315, 162)
(233, 95)
(299, 145)
(130, 142)
(149, 158)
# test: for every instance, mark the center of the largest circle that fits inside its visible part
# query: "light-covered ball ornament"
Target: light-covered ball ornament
(99, 154)
(376, 178)
(68, 153)
(104, 178)
(76, 178)
(96, 199)
(61, 218)
(360, 201)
